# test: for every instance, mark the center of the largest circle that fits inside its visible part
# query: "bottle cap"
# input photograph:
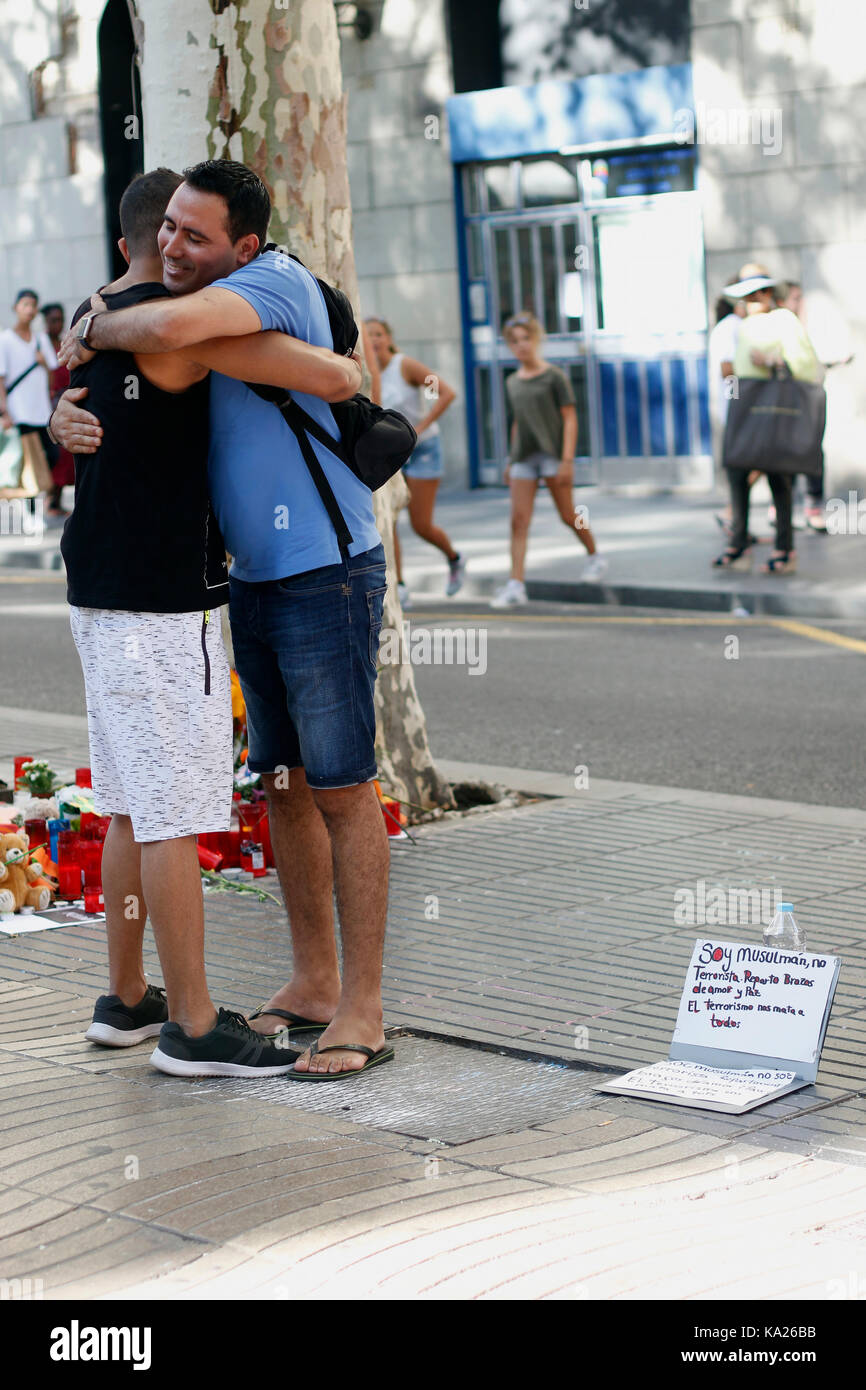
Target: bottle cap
(785, 907)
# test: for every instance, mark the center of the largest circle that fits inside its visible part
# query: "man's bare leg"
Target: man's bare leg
(125, 911)
(359, 842)
(172, 890)
(302, 850)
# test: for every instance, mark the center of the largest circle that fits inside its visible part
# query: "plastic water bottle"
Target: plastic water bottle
(783, 931)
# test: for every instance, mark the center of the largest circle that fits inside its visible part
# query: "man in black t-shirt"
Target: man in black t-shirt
(146, 578)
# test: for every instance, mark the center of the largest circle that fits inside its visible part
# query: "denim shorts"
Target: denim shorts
(305, 651)
(535, 466)
(425, 461)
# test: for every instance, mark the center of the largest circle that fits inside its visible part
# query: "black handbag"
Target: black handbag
(776, 425)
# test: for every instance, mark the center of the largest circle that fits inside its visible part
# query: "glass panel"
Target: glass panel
(649, 268)
(474, 248)
(577, 374)
(471, 196)
(499, 182)
(504, 279)
(545, 182)
(485, 414)
(549, 281)
(524, 262)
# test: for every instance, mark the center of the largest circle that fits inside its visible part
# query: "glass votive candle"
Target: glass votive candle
(91, 862)
(82, 777)
(93, 900)
(19, 762)
(69, 848)
(69, 880)
(36, 831)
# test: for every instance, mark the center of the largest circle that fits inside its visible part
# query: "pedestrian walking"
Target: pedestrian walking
(769, 338)
(26, 359)
(401, 381)
(833, 353)
(62, 463)
(543, 443)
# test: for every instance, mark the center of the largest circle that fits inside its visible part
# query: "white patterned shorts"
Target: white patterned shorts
(159, 719)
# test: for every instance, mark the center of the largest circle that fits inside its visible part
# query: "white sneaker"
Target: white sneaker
(509, 597)
(403, 596)
(594, 569)
(456, 574)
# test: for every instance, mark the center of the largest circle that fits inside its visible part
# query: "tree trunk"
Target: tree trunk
(261, 83)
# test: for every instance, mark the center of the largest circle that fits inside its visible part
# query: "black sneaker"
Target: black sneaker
(231, 1048)
(116, 1025)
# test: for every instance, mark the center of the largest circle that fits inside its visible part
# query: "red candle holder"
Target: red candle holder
(36, 831)
(22, 758)
(91, 862)
(69, 848)
(93, 900)
(69, 881)
(83, 777)
(209, 858)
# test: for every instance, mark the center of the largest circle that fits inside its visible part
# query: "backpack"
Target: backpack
(373, 442)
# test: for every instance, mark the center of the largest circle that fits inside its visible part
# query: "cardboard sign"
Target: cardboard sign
(755, 999)
(750, 1027)
(51, 917)
(707, 1088)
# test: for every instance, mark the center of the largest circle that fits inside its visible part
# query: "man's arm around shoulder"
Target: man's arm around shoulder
(165, 325)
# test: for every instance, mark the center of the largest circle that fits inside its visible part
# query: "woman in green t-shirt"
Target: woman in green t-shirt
(543, 442)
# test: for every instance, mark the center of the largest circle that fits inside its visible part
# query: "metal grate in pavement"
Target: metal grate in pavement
(433, 1090)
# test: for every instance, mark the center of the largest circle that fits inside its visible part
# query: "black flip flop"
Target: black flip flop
(294, 1023)
(385, 1054)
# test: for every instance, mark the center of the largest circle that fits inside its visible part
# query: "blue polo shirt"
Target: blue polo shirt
(272, 518)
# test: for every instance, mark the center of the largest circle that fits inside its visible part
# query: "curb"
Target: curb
(782, 602)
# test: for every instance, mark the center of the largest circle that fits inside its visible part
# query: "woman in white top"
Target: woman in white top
(26, 358)
(402, 378)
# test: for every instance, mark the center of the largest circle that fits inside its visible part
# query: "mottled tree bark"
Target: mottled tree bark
(261, 83)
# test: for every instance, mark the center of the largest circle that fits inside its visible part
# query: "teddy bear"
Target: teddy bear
(21, 881)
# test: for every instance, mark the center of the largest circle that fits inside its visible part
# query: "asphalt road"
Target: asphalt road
(664, 699)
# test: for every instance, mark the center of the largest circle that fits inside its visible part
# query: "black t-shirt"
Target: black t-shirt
(143, 536)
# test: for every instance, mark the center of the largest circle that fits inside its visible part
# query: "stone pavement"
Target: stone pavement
(659, 547)
(529, 951)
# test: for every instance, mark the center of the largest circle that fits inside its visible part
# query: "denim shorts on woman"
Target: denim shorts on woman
(305, 651)
(535, 466)
(425, 460)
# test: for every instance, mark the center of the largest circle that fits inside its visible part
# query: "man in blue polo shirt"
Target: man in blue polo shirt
(305, 619)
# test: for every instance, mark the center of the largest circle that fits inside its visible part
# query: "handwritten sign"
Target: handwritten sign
(755, 999)
(692, 1083)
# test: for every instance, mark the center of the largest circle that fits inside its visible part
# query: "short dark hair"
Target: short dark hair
(26, 294)
(49, 308)
(142, 209)
(248, 203)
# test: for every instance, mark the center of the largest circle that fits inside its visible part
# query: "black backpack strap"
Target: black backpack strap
(299, 419)
(317, 473)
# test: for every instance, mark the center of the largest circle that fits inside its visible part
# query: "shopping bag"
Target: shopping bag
(776, 425)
